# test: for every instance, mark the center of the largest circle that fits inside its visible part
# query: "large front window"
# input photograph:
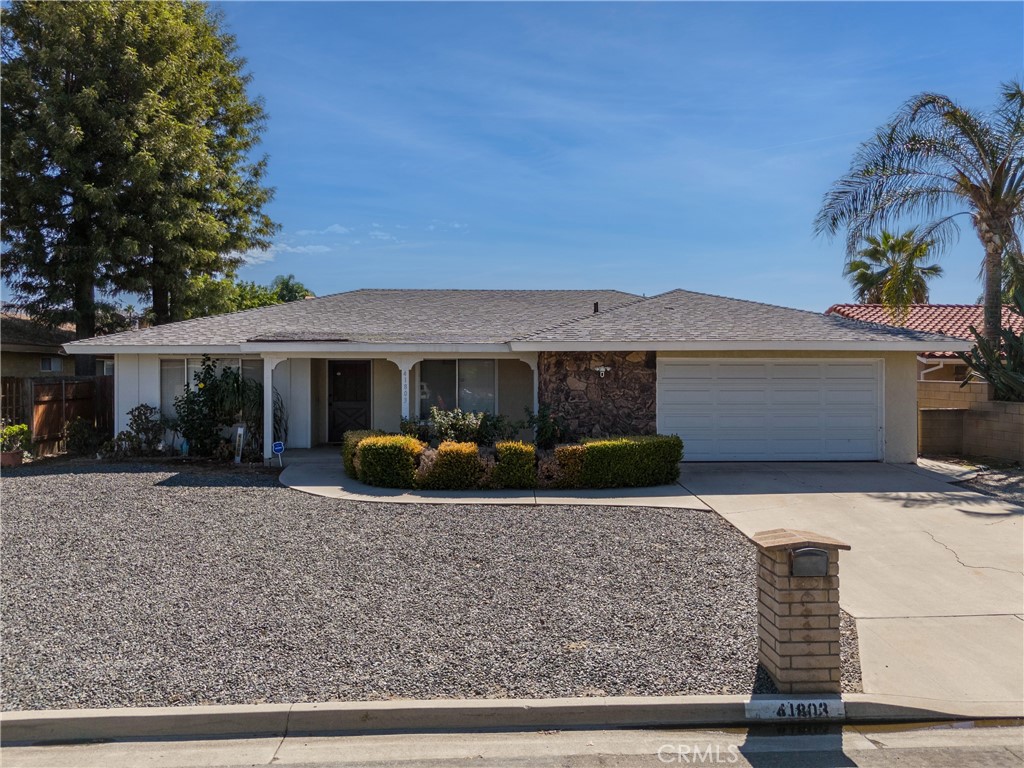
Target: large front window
(177, 373)
(467, 384)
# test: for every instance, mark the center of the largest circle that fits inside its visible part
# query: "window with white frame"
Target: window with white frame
(176, 373)
(467, 384)
(51, 365)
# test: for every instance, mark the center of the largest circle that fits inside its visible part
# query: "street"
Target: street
(934, 745)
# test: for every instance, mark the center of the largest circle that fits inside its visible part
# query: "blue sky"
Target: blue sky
(642, 147)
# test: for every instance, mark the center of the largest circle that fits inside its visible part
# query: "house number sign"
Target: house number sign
(776, 708)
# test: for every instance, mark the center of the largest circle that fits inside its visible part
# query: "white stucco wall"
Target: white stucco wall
(136, 381)
(292, 381)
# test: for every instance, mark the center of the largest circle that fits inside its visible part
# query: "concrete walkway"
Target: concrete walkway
(322, 475)
(935, 578)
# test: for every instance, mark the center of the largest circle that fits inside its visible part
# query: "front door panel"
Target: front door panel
(348, 397)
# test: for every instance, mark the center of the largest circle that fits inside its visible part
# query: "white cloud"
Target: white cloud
(256, 256)
(333, 229)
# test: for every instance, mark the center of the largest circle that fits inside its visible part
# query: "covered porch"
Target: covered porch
(328, 395)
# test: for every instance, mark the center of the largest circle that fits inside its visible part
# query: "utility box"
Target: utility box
(798, 609)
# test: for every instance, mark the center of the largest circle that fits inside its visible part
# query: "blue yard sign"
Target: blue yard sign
(278, 448)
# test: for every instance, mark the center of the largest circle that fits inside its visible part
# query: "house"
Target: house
(738, 380)
(28, 348)
(948, 319)
(954, 418)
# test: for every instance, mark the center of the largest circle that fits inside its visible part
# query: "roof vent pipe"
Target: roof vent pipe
(595, 307)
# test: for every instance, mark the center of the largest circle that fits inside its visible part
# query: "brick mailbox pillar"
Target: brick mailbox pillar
(798, 606)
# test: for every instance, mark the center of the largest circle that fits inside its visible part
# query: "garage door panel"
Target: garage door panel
(771, 411)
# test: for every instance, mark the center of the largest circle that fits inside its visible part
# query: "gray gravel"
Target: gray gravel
(150, 585)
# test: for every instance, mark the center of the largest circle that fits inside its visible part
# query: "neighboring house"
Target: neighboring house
(738, 380)
(28, 349)
(947, 319)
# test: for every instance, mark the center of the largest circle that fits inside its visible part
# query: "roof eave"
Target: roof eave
(739, 345)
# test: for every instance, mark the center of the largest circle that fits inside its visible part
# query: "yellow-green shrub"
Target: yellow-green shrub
(628, 462)
(569, 459)
(456, 466)
(388, 461)
(349, 441)
(516, 467)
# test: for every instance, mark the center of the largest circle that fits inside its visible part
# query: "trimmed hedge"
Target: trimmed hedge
(401, 461)
(349, 442)
(516, 467)
(456, 466)
(569, 459)
(631, 462)
(388, 461)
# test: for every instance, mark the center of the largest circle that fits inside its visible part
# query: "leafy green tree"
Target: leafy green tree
(126, 149)
(940, 160)
(288, 288)
(892, 270)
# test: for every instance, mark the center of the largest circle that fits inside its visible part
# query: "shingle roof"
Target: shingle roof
(525, 320)
(384, 316)
(21, 331)
(682, 316)
(948, 319)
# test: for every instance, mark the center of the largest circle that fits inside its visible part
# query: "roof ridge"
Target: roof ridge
(581, 318)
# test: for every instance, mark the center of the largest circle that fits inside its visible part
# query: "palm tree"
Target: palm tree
(892, 270)
(941, 160)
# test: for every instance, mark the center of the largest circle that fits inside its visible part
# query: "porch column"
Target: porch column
(269, 363)
(531, 360)
(405, 364)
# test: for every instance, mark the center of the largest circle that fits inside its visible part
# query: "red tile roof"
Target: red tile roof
(947, 319)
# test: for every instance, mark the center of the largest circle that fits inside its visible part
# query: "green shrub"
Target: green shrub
(630, 462)
(349, 442)
(569, 462)
(388, 461)
(81, 438)
(15, 437)
(516, 467)
(456, 466)
(548, 429)
(494, 428)
(455, 426)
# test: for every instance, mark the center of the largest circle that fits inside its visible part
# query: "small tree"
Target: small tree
(1002, 364)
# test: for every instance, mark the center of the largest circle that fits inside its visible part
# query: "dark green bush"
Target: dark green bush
(349, 441)
(81, 438)
(548, 429)
(631, 462)
(516, 467)
(456, 466)
(388, 461)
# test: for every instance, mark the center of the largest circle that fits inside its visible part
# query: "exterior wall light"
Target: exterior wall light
(603, 369)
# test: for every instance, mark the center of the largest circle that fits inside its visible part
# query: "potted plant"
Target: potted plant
(14, 441)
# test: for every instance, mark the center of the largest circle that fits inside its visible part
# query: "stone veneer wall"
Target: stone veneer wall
(621, 403)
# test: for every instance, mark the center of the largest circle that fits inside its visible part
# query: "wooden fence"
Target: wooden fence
(47, 405)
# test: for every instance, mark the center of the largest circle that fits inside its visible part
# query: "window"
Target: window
(176, 373)
(467, 384)
(51, 365)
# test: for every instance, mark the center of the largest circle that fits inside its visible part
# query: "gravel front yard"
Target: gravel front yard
(147, 585)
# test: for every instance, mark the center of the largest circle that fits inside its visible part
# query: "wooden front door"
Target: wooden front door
(348, 397)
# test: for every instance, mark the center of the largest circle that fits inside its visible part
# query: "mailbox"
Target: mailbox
(808, 562)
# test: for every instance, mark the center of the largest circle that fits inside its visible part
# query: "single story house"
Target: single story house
(737, 380)
(947, 319)
(28, 348)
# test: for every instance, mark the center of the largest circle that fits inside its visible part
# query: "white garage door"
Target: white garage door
(772, 410)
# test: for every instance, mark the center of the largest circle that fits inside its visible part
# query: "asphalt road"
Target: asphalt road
(926, 746)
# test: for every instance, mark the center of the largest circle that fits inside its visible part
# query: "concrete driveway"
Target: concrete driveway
(935, 577)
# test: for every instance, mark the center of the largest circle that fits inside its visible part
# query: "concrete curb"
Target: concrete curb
(276, 720)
